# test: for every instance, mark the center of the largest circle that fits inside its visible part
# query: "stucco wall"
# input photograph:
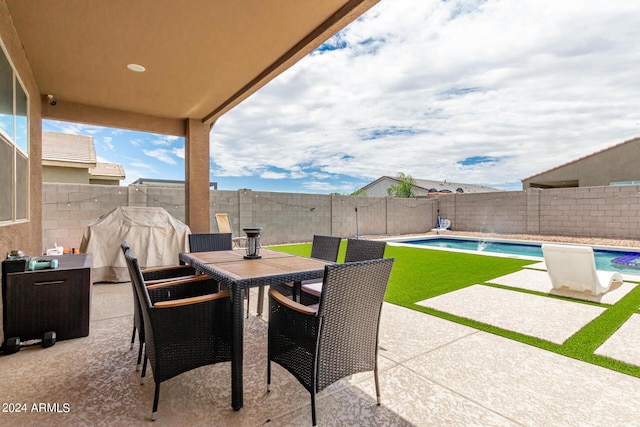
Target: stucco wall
(26, 236)
(615, 164)
(61, 174)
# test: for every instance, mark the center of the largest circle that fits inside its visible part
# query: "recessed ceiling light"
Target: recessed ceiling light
(136, 67)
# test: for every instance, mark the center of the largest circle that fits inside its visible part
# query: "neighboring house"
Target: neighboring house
(616, 165)
(106, 174)
(71, 158)
(424, 187)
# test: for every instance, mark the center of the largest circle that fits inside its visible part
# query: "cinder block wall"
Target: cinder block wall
(609, 212)
(496, 212)
(406, 216)
(591, 211)
(171, 199)
(370, 217)
(290, 217)
(67, 210)
(228, 202)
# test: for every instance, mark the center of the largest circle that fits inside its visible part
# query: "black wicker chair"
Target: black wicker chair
(205, 242)
(340, 337)
(357, 250)
(362, 250)
(323, 247)
(181, 334)
(173, 278)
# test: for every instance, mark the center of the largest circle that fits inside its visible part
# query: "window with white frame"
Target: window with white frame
(14, 146)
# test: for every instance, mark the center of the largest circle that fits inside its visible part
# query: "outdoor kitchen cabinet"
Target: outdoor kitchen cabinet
(49, 300)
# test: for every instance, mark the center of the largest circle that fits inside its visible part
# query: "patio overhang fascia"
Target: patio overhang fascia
(99, 116)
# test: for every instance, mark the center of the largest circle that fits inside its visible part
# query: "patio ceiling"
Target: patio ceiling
(202, 57)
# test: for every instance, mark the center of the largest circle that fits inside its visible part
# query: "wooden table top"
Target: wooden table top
(272, 263)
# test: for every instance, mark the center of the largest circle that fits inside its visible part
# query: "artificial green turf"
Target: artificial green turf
(419, 274)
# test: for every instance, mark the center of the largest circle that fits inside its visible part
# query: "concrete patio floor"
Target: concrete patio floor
(433, 373)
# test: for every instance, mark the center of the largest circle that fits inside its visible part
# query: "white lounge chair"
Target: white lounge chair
(575, 268)
(444, 225)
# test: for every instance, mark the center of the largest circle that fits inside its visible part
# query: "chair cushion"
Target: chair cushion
(313, 288)
(304, 282)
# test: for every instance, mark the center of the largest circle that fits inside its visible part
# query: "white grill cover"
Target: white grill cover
(155, 237)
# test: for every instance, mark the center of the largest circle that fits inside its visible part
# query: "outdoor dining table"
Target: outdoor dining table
(236, 273)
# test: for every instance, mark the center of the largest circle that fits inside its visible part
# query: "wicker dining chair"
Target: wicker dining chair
(338, 338)
(325, 248)
(173, 278)
(181, 334)
(205, 242)
(362, 250)
(357, 250)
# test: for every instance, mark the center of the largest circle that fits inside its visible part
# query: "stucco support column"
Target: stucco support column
(197, 195)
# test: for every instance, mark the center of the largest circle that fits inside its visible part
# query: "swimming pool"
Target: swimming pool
(528, 250)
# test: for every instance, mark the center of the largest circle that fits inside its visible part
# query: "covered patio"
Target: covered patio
(433, 372)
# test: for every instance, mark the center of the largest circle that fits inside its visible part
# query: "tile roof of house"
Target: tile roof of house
(107, 170)
(439, 186)
(453, 186)
(62, 149)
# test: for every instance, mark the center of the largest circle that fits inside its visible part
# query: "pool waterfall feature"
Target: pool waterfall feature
(482, 245)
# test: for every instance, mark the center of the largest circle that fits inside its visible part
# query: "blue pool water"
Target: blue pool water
(603, 257)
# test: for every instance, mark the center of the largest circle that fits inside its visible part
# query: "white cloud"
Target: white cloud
(75, 128)
(133, 175)
(108, 144)
(164, 140)
(327, 187)
(535, 83)
(145, 166)
(161, 155)
(273, 175)
(136, 170)
(178, 152)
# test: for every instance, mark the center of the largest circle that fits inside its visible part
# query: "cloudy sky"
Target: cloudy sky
(478, 92)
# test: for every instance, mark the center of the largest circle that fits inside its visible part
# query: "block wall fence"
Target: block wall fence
(608, 212)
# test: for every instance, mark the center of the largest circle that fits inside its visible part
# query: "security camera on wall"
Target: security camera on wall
(52, 101)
